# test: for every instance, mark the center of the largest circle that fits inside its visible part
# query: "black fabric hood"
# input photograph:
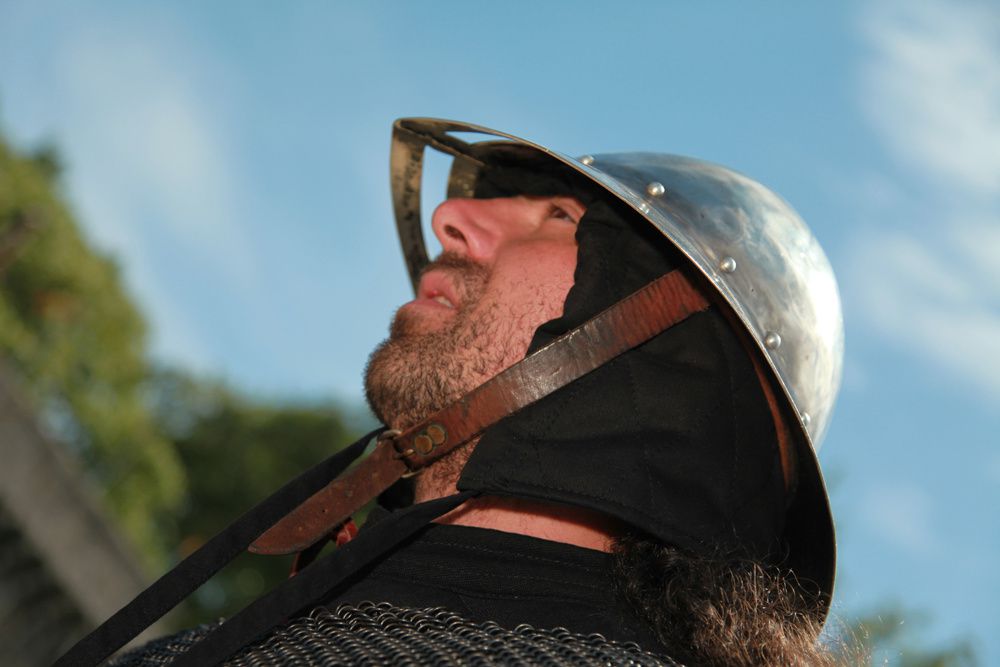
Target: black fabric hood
(674, 437)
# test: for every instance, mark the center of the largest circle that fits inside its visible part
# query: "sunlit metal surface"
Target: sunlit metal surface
(760, 257)
(783, 289)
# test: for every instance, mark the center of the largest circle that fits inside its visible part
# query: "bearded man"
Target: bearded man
(601, 413)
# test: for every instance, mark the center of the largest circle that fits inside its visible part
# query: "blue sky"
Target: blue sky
(235, 161)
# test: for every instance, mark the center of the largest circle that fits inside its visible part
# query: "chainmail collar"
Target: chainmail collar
(384, 634)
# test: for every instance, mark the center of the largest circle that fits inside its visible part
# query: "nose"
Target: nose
(473, 228)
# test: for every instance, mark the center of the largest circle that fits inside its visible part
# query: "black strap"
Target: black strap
(316, 581)
(637, 318)
(170, 589)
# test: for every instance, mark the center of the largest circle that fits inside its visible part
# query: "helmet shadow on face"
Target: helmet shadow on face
(777, 305)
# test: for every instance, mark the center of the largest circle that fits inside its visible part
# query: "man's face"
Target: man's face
(506, 267)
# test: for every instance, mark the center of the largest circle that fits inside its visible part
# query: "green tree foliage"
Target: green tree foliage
(178, 457)
(237, 451)
(69, 329)
(893, 636)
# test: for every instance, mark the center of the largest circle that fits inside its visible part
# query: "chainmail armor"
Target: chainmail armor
(383, 634)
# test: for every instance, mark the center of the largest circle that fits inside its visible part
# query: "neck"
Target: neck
(548, 521)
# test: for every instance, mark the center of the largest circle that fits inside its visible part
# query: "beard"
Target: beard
(426, 364)
(416, 371)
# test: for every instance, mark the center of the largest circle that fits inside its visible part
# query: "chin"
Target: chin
(415, 319)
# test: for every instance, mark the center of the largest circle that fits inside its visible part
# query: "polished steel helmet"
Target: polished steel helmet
(748, 243)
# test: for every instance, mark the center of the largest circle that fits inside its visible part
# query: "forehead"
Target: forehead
(528, 200)
(535, 211)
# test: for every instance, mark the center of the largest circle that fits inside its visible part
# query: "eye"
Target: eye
(560, 213)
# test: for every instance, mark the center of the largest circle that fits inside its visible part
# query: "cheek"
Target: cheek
(541, 279)
(556, 269)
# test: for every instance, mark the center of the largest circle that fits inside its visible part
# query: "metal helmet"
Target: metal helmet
(750, 246)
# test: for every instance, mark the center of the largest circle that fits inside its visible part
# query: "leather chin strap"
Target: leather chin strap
(317, 514)
(632, 321)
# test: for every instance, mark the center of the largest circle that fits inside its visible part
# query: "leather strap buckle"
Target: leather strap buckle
(637, 318)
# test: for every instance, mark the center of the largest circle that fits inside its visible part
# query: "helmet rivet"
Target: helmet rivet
(423, 444)
(727, 265)
(644, 207)
(772, 340)
(654, 189)
(587, 160)
(806, 419)
(437, 433)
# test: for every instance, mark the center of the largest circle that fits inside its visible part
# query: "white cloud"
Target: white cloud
(901, 514)
(149, 163)
(174, 336)
(993, 469)
(979, 242)
(932, 92)
(928, 294)
(856, 377)
(150, 141)
(933, 88)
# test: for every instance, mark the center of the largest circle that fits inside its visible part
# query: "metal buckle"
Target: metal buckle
(392, 434)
